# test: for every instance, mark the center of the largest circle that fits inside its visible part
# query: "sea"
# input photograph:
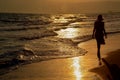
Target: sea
(27, 38)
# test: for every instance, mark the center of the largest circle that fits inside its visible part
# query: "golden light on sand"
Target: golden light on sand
(77, 73)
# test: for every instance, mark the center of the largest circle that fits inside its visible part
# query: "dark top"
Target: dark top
(99, 31)
(99, 28)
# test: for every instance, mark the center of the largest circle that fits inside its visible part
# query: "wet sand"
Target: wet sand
(110, 52)
(77, 68)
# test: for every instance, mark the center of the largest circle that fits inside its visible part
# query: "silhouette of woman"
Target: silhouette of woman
(99, 33)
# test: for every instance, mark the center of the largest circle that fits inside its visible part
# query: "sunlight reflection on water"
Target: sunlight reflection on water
(76, 67)
(69, 33)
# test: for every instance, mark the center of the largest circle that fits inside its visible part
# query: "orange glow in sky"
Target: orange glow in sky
(59, 6)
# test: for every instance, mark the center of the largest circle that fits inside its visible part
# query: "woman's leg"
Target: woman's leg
(98, 51)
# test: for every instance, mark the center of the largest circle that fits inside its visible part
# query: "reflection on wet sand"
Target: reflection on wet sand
(76, 67)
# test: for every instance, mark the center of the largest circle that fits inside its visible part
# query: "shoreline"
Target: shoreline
(86, 61)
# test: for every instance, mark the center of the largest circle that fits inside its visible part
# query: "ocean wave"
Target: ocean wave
(113, 32)
(43, 34)
(35, 22)
(18, 28)
(47, 49)
(58, 48)
(12, 60)
(54, 46)
(80, 39)
(25, 19)
(84, 38)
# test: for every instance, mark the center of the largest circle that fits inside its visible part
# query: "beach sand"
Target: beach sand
(77, 68)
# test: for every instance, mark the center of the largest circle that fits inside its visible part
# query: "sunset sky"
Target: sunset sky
(59, 6)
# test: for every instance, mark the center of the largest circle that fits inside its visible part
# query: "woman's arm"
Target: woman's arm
(93, 35)
(104, 31)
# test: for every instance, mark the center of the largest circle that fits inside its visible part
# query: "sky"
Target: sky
(59, 6)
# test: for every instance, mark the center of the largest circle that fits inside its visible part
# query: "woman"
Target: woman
(99, 33)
